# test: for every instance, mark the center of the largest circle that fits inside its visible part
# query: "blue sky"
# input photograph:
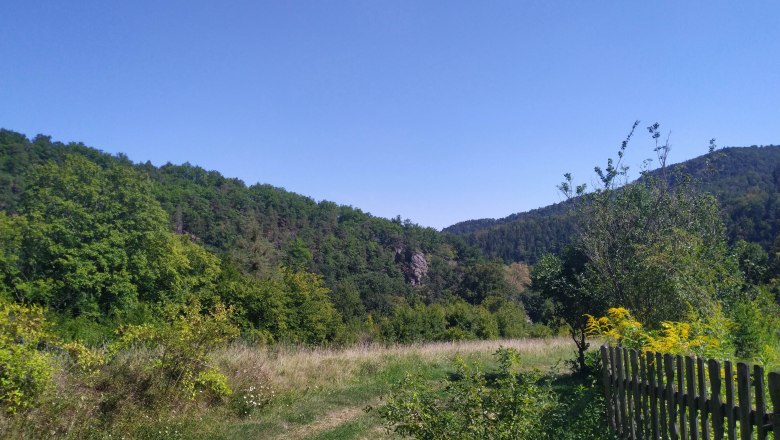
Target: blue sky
(435, 111)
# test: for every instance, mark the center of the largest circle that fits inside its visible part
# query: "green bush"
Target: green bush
(498, 404)
(213, 384)
(180, 347)
(470, 406)
(25, 371)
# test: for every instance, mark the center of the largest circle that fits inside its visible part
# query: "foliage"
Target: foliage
(470, 407)
(654, 249)
(182, 345)
(455, 320)
(745, 181)
(102, 242)
(703, 336)
(213, 384)
(25, 370)
(756, 328)
(86, 359)
(563, 281)
(500, 404)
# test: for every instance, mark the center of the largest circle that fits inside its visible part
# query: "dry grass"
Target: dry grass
(305, 391)
(294, 367)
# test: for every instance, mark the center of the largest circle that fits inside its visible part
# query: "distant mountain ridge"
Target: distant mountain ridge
(745, 180)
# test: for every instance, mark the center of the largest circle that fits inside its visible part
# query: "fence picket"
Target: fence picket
(654, 398)
(621, 392)
(731, 409)
(758, 381)
(702, 406)
(745, 401)
(662, 395)
(681, 397)
(774, 394)
(644, 391)
(630, 394)
(638, 422)
(674, 423)
(606, 368)
(693, 415)
(715, 404)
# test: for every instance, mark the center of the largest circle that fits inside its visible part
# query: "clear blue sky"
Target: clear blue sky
(435, 111)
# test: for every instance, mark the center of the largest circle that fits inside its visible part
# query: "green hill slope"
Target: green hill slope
(746, 182)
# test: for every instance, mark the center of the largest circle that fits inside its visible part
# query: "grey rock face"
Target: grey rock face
(418, 268)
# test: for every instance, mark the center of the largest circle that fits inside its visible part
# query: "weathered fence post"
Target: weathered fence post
(731, 410)
(774, 394)
(671, 399)
(693, 415)
(662, 396)
(681, 397)
(606, 367)
(715, 403)
(745, 401)
(654, 397)
(758, 381)
(702, 399)
(621, 392)
(638, 423)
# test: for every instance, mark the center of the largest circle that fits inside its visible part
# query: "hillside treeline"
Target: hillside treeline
(745, 181)
(101, 242)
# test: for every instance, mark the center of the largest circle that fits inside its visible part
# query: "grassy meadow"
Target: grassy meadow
(281, 392)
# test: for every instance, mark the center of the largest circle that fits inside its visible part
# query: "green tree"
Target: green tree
(94, 235)
(564, 281)
(653, 247)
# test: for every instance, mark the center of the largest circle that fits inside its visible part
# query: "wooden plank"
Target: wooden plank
(693, 413)
(702, 406)
(758, 381)
(745, 404)
(623, 420)
(731, 419)
(681, 397)
(637, 398)
(644, 398)
(614, 387)
(674, 427)
(774, 394)
(662, 395)
(655, 427)
(715, 400)
(606, 378)
(629, 395)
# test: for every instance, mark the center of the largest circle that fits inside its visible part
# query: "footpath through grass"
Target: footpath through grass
(279, 393)
(322, 394)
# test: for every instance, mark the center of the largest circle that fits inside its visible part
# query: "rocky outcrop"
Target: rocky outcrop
(418, 268)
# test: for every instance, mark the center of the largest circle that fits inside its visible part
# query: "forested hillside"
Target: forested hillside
(746, 182)
(96, 238)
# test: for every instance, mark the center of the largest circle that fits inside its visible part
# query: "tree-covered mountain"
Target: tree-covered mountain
(746, 182)
(93, 236)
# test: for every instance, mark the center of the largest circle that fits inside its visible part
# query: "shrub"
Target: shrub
(213, 384)
(471, 406)
(181, 345)
(86, 360)
(708, 337)
(25, 371)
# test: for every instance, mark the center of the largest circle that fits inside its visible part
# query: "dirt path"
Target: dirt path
(326, 422)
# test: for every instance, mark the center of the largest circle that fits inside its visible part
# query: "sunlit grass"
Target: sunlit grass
(301, 392)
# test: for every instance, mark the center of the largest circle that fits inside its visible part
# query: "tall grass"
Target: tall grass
(279, 391)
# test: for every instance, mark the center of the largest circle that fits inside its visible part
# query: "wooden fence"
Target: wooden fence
(655, 396)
